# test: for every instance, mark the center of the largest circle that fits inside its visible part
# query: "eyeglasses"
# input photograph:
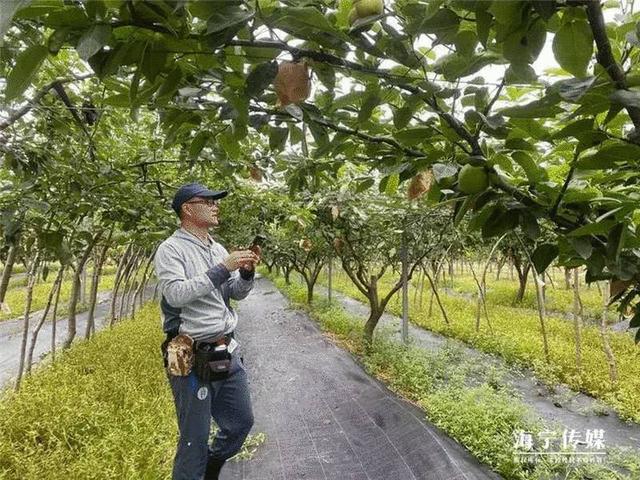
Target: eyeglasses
(210, 202)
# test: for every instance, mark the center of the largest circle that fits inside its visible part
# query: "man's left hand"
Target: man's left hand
(251, 265)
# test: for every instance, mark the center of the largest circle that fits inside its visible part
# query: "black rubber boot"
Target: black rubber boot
(213, 469)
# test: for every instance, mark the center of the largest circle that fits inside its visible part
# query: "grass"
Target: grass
(483, 416)
(16, 297)
(103, 411)
(516, 337)
(503, 292)
(18, 280)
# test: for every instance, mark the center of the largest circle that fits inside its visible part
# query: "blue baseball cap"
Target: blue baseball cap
(190, 190)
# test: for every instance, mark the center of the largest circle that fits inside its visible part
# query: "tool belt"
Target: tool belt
(210, 360)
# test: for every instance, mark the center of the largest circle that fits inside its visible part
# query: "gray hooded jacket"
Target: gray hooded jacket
(196, 287)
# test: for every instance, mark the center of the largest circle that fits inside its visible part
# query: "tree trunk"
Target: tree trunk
(421, 289)
(34, 335)
(75, 291)
(129, 279)
(542, 315)
(611, 359)
(145, 280)
(95, 283)
(33, 273)
(437, 296)
(308, 281)
(523, 275)
(287, 273)
(577, 320)
(114, 293)
(83, 286)
(567, 278)
(370, 326)
(54, 321)
(499, 267)
(6, 273)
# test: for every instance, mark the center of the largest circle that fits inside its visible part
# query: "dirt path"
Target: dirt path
(563, 408)
(323, 416)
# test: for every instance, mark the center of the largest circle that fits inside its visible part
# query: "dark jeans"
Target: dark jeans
(227, 401)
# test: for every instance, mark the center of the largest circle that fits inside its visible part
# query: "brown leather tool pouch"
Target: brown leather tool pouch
(180, 355)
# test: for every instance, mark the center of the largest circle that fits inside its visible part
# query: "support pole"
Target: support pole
(330, 277)
(405, 294)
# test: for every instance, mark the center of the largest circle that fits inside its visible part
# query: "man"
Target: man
(197, 277)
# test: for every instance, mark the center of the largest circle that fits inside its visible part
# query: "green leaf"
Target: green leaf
(462, 208)
(543, 255)
(524, 46)
(365, 184)
(545, 8)
(170, 85)
(444, 24)
(260, 78)
(308, 23)
(596, 228)
(413, 136)
(535, 109)
(326, 74)
(369, 102)
(573, 89)
(153, 62)
(402, 116)
(615, 241)
(227, 17)
(93, 40)
(575, 128)
(73, 17)
(583, 246)
(198, 144)
(278, 138)
(466, 41)
(22, 74)
(608, 156)
(499, 222)
(507, 12)
(393, 181)
(9, 8)
(531, 169)
(483, 25)
(573, 47)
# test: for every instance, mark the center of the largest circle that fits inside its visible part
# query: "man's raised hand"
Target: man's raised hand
(240, 258)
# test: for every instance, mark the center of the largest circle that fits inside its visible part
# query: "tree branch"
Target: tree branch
(605, 56)
(15, 116)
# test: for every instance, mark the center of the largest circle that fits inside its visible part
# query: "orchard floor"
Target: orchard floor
(324, 418)
(11, 334)
(557, 406)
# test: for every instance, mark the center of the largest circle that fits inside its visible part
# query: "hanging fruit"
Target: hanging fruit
(472, 179)
(420, 184)
(365, 8)
(292, 83)
(305, 244)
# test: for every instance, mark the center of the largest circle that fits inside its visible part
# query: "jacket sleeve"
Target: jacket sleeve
(239, 283)
(176, 288)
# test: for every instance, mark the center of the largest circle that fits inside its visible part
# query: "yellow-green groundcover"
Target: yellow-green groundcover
(101, 411)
